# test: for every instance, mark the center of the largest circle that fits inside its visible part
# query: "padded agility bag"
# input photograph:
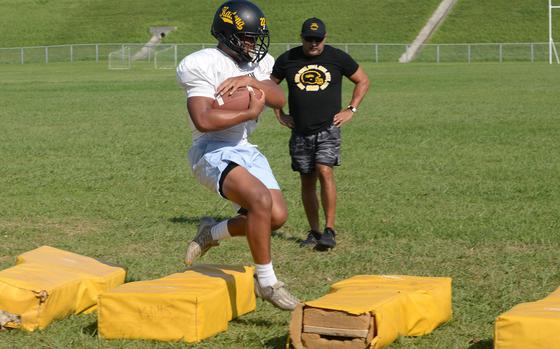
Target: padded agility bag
(534, 325)
(188, 306)
(369, 311)
(49, 284)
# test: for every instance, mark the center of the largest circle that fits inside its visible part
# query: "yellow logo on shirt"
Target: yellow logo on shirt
(231, 17)
(312, 78)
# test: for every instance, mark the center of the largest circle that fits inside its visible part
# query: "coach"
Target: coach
(314, 72)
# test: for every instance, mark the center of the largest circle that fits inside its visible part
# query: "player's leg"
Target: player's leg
(260, 168)
(237, 226)
(243, 188)
(247, 191)
(205, 166)
(211, 169)
(279, 214)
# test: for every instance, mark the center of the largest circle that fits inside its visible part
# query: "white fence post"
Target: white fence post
(532, 53)
(96, 53)
(46, 54)
(21, 55)
(501, 53)
(437, 54)
(469, 53)
(376, 53)
(71, 53)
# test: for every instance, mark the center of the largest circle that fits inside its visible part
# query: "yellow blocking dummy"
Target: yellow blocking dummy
(534, 325)
(369, 311)
(49, 284)
(188, 306)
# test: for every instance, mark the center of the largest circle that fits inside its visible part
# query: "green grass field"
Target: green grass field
(49, 22)
(498, 21)
(448, 170)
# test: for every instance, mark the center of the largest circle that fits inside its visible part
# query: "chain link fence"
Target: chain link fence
(166, 55)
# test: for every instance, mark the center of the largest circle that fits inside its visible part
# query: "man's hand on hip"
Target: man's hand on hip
(285, 120)
(343, 117)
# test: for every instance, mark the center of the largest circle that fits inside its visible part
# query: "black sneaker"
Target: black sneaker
(311, 240)
(327, 240)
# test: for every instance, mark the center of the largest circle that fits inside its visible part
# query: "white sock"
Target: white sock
(220, 231)
(265, 275)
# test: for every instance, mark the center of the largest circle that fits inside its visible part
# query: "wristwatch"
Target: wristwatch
(352, 108)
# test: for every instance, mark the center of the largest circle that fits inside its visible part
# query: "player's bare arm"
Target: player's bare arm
(361, 86)
(274, 95)
(207, 119)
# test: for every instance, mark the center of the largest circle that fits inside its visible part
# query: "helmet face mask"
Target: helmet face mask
(253, 46)
(242, 27)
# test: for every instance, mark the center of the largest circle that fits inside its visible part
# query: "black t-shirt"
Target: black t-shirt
(314, 85)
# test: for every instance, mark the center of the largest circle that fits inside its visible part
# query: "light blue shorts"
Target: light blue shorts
(209, 160)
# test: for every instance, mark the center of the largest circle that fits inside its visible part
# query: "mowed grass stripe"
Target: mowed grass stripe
(44, 22)
(497, 21)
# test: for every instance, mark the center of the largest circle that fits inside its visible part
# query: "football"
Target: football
(238, 100)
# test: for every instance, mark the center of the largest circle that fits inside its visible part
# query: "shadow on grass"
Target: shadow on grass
(90, 330)
(298, 241)
(255, 322)
(483, 344)
(286, 236)
(277, 342)
(193, 220)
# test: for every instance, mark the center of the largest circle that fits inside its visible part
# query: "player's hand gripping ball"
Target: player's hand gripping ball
(238, 100)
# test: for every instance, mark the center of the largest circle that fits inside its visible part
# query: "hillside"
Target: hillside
(51, 22)
(497, 21)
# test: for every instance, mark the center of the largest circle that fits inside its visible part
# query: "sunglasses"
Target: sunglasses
(313, 39)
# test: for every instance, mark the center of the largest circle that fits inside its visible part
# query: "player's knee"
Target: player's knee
(260, 200)
(279, 217)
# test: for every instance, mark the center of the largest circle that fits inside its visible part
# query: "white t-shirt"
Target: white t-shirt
(200, 74)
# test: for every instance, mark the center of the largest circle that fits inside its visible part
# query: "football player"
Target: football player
(221, 157)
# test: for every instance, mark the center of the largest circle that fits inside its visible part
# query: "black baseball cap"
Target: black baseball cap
(313, 27)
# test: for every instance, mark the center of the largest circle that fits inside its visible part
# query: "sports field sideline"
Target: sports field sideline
(448, 170)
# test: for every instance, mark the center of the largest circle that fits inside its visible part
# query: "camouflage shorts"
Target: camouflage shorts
(320, 148)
